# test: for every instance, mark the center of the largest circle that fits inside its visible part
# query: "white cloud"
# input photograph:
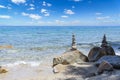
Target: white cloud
(18, 1)
(33, 16)
(46, 4)
(70, 12)
(32, 5)
(64, 16)
(32, 8)
(1, 6)
(5, 17)
(102, 18)
(45, 12)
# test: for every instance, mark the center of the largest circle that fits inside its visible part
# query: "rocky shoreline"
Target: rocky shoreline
(103, 59)
(101, 64)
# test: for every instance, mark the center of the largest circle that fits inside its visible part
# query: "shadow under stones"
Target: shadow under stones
(82, 71)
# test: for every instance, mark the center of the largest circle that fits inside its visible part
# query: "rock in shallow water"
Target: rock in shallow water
(113, 60)
(2, 70)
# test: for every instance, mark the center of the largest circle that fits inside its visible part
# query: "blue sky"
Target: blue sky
(60, 12)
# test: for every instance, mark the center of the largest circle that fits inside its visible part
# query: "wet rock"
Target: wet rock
(104, 66)
(2, 70)
(72, 56)
(90, 75)
(106, 48)
(58, 68)
(119, 48)
(113, 60)
(95, 54)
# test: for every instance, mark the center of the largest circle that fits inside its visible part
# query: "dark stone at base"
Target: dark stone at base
(104, 66)
(90, 75)
(113, 60)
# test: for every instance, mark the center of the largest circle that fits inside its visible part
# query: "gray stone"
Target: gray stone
(113, 60)
(97, 52)
(104, 66)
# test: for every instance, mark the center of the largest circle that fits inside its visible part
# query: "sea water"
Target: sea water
(39, 44)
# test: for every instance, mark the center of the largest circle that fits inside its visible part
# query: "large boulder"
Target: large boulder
(95, 54)
(104, 66)
(113, 60)
(109, 50)
(71, 56)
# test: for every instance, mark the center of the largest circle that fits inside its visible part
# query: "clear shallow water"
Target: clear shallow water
(41, 44)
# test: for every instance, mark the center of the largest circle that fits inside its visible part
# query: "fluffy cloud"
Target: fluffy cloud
(5, 17)
(1, 6)
(32, 8)
(32, 5)
(45, 12)
(70, 12)
(33, 16)
(18, 1)
(46, 4)
(64, 16)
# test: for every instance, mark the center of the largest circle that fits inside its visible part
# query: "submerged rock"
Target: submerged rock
(104, 66)
(113, 60)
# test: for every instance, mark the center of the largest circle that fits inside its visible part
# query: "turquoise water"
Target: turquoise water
(41, 44)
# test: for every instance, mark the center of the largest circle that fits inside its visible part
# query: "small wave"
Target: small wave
(88, 45)
(17, 63)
